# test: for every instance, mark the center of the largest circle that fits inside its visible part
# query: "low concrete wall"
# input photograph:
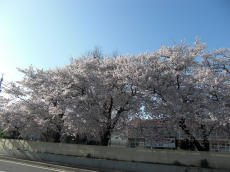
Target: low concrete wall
(173, 157)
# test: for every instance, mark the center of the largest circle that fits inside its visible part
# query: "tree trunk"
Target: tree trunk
(110, 125)
(105, 137)
(195, 142)
(205, 140)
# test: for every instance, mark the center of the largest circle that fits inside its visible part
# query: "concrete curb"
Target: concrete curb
(101, 164)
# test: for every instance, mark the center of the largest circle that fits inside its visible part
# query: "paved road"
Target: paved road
(10, 166)
(29, 166)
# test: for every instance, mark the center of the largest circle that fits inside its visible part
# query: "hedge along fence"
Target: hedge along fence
(174, 157)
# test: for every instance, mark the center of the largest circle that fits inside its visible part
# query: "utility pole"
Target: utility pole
(1, 83)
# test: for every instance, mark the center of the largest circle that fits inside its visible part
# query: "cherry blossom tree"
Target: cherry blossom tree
(179, 83)
(87, 96)
(31, 98)
(94, 96)
(99, 95)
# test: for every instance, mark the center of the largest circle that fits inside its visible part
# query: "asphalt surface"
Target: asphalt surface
(17, 165)
(8, 166)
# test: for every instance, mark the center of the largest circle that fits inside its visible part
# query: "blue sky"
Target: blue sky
(46, 33)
